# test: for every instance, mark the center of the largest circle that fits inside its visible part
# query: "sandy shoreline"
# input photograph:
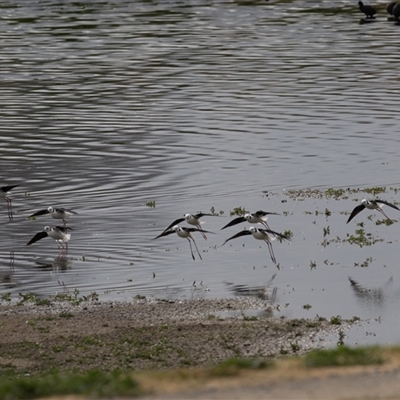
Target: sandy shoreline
(149, 334)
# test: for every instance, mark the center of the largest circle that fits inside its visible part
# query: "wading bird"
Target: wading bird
(259, 217)
(56, 213)
(192, 219)
(185, 233)
(367, 10)
(261, 234)
(4, 192)
(372, 205)
(58, 233)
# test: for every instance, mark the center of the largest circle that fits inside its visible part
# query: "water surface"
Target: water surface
(110, 106)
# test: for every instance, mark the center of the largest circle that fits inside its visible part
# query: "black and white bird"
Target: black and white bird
(396, 11)
(185, 233)
(261, 234)
(259, 217)
(371, 205)
(4, 191)
(56, 213)
(58, 233)
(390, 6)
(367, 10)
(192, 219)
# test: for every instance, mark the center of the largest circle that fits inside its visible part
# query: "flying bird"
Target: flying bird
(261, 234)
(372, 205)
(58, 233)
(192, 219)
(56, 213)
(4, 191)
(185, 233)
(259, 217)
(367, 10)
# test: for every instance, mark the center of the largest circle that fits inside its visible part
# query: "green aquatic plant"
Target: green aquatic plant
(238, 211)
(362, 238)
(375, 190)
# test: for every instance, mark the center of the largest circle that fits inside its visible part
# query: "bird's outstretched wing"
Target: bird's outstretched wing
(176, 222)
(235, 221)
(387, 204)
(195, 230)
(37, 213)
(37, 237)
(276, 234)
(200, 214)
(356, 211)
(6, 189)
(165, 233)
(64, 229)
(262, 213)
(242, 233)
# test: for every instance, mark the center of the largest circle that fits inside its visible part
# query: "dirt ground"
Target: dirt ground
(170, 335)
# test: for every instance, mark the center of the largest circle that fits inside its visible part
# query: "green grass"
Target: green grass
(93, 383)
(343, 356)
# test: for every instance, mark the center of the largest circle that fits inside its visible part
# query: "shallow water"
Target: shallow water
(108, 106)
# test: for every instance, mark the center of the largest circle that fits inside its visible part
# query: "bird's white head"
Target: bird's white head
(176, 228)
(247, 216)
(364, 202)
(187, 216)
(252, 229)
(46, 229)
(50, 209)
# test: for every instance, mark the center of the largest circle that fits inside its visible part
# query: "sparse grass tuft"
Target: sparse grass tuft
(343, 356)
(93, 384)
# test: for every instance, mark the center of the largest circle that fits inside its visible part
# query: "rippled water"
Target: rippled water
(108, 106)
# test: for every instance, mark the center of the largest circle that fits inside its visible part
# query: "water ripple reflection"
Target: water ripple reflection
(135, 112)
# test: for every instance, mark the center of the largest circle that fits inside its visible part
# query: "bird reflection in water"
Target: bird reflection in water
(262, 292)
(59, 263)
(376, 296)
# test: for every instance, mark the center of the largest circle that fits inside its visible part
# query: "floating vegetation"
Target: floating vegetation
(336, 194)
(362, 239)
(385, 221)
(238, 211)
(212, 211)
(364, 263)
(151, 204)
(375, 190)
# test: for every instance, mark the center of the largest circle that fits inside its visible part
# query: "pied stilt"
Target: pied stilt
(4, 191)
(192, 219)
(372, 205)
(259, 217)
(185, 233)
(56, 213)
(58, 233)
(261, 234)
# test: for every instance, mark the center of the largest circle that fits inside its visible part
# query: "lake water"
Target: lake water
(112, 107)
